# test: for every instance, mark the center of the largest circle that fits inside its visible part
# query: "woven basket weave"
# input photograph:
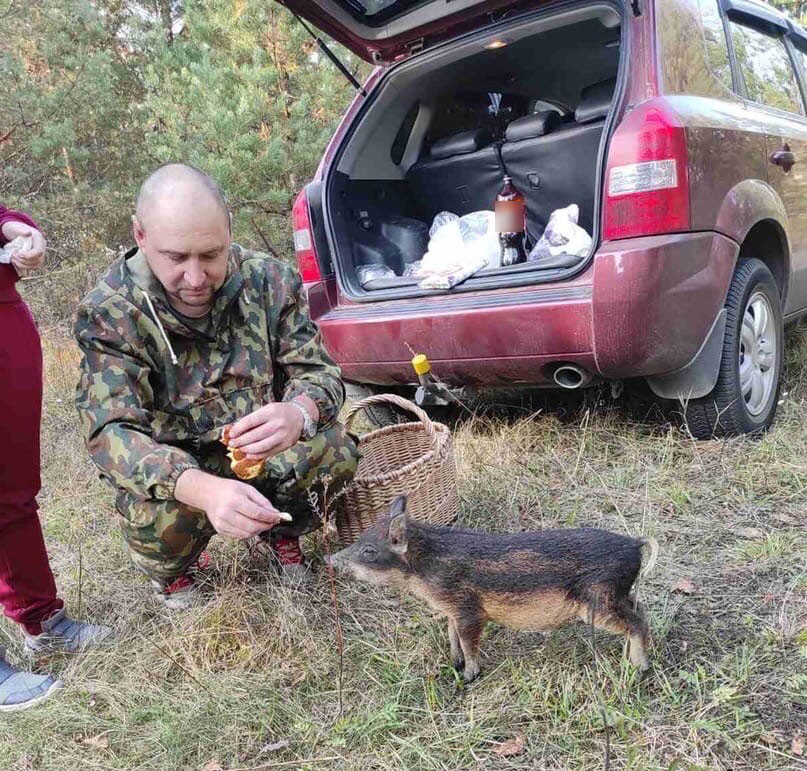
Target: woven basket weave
(412, 459)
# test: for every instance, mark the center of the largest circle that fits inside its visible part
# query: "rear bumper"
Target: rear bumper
(642, 307)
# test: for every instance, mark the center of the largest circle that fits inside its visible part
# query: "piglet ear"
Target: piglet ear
(397, 533)
(398, 506)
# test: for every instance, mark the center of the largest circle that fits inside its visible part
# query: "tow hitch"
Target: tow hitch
(432, 392)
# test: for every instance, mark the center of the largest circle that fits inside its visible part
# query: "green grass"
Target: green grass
(251, 680)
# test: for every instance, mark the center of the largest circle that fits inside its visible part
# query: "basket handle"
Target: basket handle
(398, 401)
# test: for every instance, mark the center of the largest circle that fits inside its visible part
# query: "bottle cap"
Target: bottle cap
(421, 364)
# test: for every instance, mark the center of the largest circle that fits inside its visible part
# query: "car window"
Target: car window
(693, 52)
(375, 10)
(803, 56)
(766, 69)
(455, 113)
(714, 38)
(402, 137)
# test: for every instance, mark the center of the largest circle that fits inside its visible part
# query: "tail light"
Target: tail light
(646, 183)
(304, 248)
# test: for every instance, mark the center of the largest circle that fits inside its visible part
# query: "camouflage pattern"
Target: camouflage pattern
(165, 537)
(146, 419)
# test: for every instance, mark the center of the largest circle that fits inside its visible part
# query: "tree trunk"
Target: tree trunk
(167, 21)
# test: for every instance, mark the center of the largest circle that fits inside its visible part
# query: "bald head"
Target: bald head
(182, 226)
(176, 188)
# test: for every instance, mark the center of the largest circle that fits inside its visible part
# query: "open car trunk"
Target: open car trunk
(529, 98)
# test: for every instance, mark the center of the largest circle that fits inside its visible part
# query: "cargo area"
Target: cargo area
(441, 131)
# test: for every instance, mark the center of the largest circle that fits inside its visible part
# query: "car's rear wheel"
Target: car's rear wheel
(745, 396)
(381, 415)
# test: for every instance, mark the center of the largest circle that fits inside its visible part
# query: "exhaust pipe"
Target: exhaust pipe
(570, 377)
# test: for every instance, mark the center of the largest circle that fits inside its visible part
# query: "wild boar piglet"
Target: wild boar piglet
(533, 580)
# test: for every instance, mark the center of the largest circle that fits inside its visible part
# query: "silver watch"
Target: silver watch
(309, 427)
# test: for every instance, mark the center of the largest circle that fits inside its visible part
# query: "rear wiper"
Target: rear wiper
(356, 6)
(331, 55)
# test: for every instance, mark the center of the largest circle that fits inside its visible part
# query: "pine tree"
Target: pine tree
(243, 94)
(99, 92)
(70, 132)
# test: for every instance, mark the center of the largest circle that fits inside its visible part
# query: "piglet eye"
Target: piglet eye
(368, 552)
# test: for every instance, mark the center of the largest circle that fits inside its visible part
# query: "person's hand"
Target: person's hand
(238, 510)
(30, 259)
(267, 431)
(234, 508)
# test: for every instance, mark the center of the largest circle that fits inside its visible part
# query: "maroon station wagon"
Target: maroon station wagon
(677, 126)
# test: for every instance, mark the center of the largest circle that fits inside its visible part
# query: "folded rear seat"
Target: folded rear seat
(462, 173)
(554, 164)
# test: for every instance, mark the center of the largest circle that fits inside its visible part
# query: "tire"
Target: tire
(745, 402)
(381, 415)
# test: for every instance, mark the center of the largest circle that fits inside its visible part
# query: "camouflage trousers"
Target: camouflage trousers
(165, 537)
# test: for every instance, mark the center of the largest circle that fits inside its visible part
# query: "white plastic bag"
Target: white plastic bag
(482, 242)
(444, 252)
(413, 269)
(562, 236)
(441, 219)
(453, 277)
(19, 244)
(368, 273)
(456, 243)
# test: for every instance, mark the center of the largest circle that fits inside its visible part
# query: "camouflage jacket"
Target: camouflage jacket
(147, 418)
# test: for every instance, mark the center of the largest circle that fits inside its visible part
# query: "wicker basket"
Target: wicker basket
(413, 459)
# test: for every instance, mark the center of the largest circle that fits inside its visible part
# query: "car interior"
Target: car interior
(444, 131)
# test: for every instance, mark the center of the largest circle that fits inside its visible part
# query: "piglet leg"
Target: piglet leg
(470, 633)
(619, 617)
(457, 659)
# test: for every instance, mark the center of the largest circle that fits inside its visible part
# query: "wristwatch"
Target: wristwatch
(309, 427)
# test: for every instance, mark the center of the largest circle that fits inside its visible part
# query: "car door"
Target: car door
(766, 65)
(798, 49)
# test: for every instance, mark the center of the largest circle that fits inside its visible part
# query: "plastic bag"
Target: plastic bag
(19, 244)
(458, 242)
(413, 269)
(445, 244)
(562, 236)
(441, 219)
(453, 277)
(482, 242)
(368, 273)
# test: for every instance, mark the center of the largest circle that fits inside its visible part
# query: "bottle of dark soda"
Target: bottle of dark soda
(510, 214)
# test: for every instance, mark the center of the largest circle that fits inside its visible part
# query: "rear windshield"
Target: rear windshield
(377, 10)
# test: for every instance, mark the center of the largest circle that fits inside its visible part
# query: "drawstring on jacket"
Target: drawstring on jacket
(174, 359)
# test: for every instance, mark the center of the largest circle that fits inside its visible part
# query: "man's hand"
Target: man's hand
(235, 509)
(28, 259)
(270, 429)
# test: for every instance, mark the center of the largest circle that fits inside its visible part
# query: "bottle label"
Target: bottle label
(509, 216)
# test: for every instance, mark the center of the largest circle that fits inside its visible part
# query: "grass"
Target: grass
(249, 682)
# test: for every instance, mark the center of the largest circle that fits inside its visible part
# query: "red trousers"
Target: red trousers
(27, 588)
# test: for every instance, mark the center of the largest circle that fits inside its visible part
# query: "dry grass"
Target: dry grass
(250, 681)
